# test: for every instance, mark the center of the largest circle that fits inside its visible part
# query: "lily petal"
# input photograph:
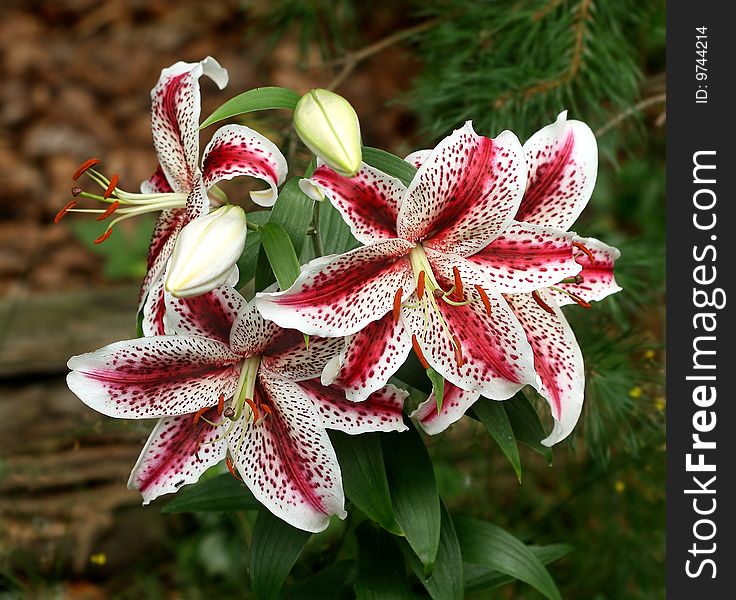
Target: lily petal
(175, 118)
(562, 159)
(177, 452)
(527, 257)
(466, 193)
(418, 157)
(210, 315)
(382, 411)
(340, 294)
(557, 359)
(369, 202)
(369, 358)
(291, 356)
(496, 357)
(251, 333)
(598, 280)
(154, 377)
(156, 183)
(237, 150)
(287, 460)
(154, 310)
(455, 402)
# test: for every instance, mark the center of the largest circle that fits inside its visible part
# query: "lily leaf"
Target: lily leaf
(381, 574)
(389, 164)
(334, 582)
(525, 422)
(364, 476)
(493, 416)
(221, 493)
(265, 98)
(438, 386)
(414, 493)
(280, 252)
(274, 548)
(485, 544)
(249, 258)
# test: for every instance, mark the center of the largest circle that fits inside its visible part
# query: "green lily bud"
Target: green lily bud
(329, 127)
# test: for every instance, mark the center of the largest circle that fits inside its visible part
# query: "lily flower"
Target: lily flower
(562, 163)
(226, 384)
(178, 188)
(437, 257)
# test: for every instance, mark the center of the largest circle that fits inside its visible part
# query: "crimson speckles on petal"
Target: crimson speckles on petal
(455, 401)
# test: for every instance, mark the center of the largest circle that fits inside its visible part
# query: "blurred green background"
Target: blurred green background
(77, 81)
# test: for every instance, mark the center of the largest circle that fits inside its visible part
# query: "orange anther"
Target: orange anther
(420, 285)
(111, 186)
(485, 299)
(458, 285)
(220, 405)
(418, 351)
(231, 468)
(585, 251)
(578, 299)
(65, 209)
(253, 408)
(104, 236)
(397, 304)
(110, 209)
(87, 164)
(266, 409)
(458, 352)
(542, 303)
(198, 415)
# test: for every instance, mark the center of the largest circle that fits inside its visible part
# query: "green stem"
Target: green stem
(252, 226)
(316, 238)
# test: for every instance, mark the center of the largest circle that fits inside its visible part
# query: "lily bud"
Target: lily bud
(206, 251)
(329, 127)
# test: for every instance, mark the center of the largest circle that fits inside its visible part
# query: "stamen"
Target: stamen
(110, 209)
(231, 468)
(420, 284)
(484, 298)
(111, 187)
(397, 304)
(220, 405)
(253, 408)
(266, 409)
(199, 414)
(578, 299)
(229, 412)
(87, 164)
(585, 251)
(577, 280)
(418, 351)
(65, 209)
(104, 236)
(76, 191)
(458, 284)
(542, 303)
(458, 352)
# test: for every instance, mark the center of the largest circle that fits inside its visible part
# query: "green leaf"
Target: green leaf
(446, 581)
(364, 476)
(265, 98)
(293, 211)
(525, 422)
(249, 258)
(479, 578)
(493, 416)
(274, 548)
(414, 493)
(389, 164)
(280, 252)
(438, 386)
(335, 232)
(381, 572)
(334, 582)
(221, 493)
(485, 544)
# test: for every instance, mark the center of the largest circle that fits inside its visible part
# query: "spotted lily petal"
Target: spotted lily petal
(381, 411)
(209, 315)
(369, 358)
(251, 333)
(237, 150)
(418, 157)
(154, 310)
(527, 257)
(154, 377)
(287, 460)
(466, 193)
(177, 452)
(557, 360)
(175, 119)
(455, 402)
(340, 294)
(369, 202)
(291, 356)
(562, 159)
(596, 279)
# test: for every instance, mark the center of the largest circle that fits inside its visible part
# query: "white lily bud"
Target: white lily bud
(329, 127)
(206, 251)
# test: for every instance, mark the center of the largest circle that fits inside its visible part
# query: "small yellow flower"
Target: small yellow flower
(98, 559)
(619, 486)
(649, 354)
(635, 392)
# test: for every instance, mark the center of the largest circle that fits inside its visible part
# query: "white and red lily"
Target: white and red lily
(178, 188)
(436, 259)
(228, 384)
(562, 163)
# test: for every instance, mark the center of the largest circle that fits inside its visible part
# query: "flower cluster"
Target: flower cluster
(468, 267)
